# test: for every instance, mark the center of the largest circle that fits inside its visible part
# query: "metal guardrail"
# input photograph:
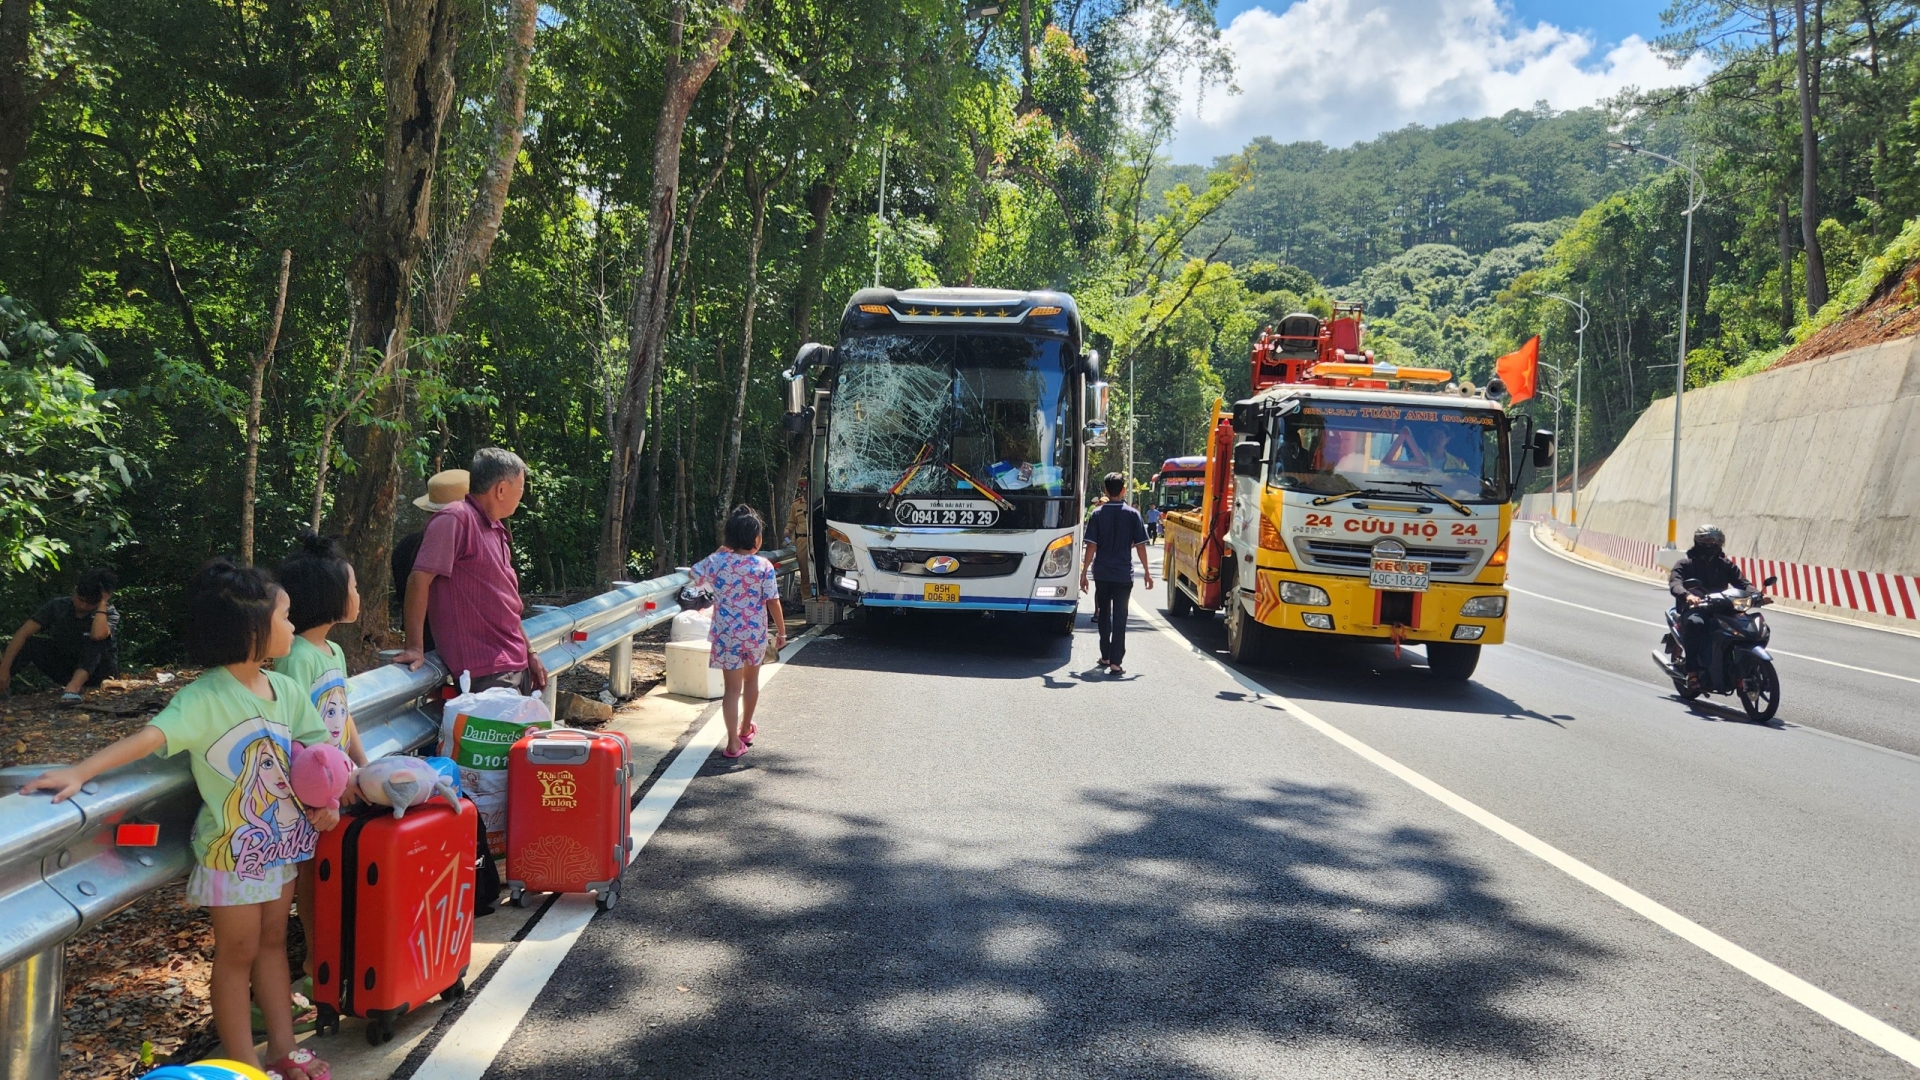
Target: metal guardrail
(61, 872)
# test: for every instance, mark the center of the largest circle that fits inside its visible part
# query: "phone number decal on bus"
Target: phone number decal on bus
(963, 513)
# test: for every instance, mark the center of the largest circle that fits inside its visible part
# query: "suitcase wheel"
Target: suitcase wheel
(606, 900)
(457, 990)
(517, 896)
(379, 1028)
(329, 1021)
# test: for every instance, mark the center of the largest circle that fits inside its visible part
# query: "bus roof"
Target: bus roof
(1044, 312)
(1197, 461)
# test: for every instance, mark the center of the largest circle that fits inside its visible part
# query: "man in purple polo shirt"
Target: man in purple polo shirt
(463, 579)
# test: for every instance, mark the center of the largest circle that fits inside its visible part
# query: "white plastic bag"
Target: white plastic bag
(691, 626)
(476, 731)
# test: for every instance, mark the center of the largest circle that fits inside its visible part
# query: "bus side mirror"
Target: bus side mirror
(1090, 363)
(799, 414)
(1247, 459)
(1543, 449)
(1098, 394)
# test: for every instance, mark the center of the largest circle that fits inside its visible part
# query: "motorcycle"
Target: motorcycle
(1740, 664)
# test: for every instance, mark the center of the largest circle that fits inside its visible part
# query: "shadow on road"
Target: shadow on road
(1312, 669)
(996, 645)
(1210, 926)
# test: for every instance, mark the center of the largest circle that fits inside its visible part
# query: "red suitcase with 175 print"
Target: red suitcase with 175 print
(568, 794)
(392, 912)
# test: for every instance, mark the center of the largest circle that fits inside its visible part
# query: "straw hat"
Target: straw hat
(443, 490)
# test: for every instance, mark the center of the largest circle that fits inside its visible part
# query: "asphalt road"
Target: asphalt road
(957, 850)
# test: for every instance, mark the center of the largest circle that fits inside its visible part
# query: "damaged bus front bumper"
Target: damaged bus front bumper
(953, 569)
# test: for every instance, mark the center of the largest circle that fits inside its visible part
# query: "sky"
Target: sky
(1342, 71)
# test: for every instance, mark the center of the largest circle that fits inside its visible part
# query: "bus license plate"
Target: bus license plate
(1400, 575)
(942, 593)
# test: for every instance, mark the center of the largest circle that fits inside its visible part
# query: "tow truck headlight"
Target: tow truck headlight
(839, 550)
(1317, 620)
(1303, 595)
(1058, 561)
(1466, 632)
(1484, 607)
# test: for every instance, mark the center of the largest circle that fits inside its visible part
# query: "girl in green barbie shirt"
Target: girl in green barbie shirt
(238, 723)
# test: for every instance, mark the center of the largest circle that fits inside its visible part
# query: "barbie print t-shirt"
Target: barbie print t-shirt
(240, 747)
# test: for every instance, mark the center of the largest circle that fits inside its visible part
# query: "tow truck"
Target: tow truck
(1354, 500)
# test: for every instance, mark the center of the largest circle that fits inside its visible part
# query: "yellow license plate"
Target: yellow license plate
(942, 593)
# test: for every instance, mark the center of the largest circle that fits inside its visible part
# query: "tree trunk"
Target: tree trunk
(806, 293)
(417, 52)
(250, 473)
(20, 94)
(1809, 167)
(467, 255)
(1787, 314)
(758, 190)
(682, 80)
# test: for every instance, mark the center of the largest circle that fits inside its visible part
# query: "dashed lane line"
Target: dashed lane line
(1868, 1027)
(1662, 626)
(469, 1047)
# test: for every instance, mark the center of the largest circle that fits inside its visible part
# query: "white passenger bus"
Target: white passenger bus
(949, 457)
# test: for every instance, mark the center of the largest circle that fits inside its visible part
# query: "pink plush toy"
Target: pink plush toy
(320, 775)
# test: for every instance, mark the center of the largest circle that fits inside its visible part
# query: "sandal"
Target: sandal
(1116, 671)
(734, 753)
(71, 698)
(746, 737)
(306, 1061)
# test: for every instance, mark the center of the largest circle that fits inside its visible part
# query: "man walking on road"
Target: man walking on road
(463, 578)
(1111, 531)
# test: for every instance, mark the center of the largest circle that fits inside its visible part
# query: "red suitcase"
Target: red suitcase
(568, 798)
(392, 913)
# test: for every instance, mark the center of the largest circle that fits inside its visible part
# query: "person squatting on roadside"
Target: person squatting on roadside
(73, 640)
(463, 580)
(1111, 531)
(746, 601)
(1704, 569)
(238, 723)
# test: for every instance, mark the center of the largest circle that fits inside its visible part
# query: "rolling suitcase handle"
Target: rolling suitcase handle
(559, 746)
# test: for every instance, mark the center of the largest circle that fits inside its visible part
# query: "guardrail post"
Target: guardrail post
(620, 666)
(551, 695)
(30, 1016)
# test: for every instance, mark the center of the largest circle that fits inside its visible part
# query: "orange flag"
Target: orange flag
(1520, 370)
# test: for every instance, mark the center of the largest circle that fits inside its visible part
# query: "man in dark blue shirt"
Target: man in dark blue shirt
(1111, 531)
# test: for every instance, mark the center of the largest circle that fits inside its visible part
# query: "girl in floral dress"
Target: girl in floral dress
(746, 600)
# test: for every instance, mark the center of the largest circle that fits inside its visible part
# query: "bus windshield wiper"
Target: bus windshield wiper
(913, 469)
(1428, 489)
(986, 490)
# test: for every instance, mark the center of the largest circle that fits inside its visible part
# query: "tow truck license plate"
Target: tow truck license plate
(1400, 575)
(942, 593)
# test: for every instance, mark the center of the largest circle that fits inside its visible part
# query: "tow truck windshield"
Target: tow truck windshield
(1437, 453)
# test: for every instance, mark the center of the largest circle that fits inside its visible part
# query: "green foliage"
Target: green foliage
(60, 470)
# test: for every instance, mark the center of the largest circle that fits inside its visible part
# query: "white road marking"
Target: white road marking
(469, 1047)
(1663, 626)
(1869, 1027)
(1820, 616)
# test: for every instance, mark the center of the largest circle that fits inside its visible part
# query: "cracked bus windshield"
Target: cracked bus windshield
(905, 406)
(1332, 448)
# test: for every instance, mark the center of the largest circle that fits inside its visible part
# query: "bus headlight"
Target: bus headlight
(1484, 607)
(839, 550)
(1303, 595)
(1058, 561)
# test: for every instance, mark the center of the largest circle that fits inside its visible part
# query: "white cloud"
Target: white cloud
(1345, 70)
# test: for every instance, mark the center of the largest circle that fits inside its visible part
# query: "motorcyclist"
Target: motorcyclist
(1704, 569)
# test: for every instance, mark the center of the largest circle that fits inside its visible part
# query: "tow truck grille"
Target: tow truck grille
(1358, 557)
(973, 564)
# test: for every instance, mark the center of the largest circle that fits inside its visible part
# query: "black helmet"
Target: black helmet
(1709, 536)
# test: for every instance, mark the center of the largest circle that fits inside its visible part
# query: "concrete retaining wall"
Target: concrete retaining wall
(1817, 463)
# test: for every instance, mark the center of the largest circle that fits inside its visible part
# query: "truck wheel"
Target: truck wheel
(1179, 604)
(1452, 662)
(1246, 637)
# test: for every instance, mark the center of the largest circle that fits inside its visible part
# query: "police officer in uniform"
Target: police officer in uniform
(798, 520)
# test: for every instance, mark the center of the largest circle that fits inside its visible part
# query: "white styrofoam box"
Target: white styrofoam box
(688, 674)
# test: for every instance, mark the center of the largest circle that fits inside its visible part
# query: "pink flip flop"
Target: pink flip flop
(735, 753)
(746, 737)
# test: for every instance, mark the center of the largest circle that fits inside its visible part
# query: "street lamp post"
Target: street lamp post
(1579, 383)
(1694, 198)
